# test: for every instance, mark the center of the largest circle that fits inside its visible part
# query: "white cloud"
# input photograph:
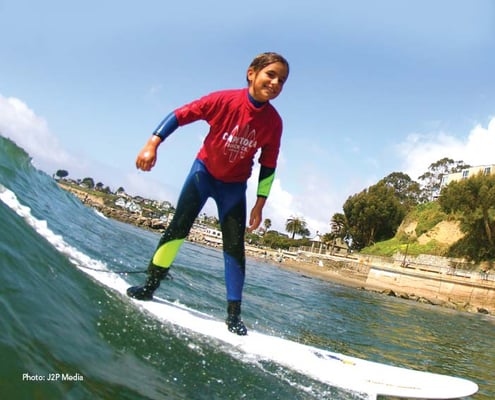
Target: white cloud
(29, 131)
(419, 151)
(279, 206)
(481, 144)
(315, 204)
(20, 124)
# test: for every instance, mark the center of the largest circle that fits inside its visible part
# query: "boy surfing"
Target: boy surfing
(241, 121)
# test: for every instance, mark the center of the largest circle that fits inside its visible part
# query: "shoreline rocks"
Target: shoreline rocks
(115, 212)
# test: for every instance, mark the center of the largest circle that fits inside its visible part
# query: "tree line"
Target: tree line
(88, 182)
(374, 215)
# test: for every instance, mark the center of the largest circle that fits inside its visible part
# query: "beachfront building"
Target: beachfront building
(213, 236)
(467, 173)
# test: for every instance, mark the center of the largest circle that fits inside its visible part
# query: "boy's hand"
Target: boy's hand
(146, 158)
(256, 214)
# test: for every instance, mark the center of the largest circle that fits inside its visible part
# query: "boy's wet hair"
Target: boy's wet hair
(264, 59)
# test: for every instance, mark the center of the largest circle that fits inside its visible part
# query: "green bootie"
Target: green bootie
(145, 292)
(233, 321)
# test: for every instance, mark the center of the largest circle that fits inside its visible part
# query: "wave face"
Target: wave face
(66, 336)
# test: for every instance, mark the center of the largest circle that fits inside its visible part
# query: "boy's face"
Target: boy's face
(267, 83)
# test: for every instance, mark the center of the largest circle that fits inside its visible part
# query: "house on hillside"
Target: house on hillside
(121, 193)
(467, 173)
(128, 205)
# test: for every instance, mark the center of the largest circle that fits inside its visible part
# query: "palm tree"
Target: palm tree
(296, 225)
(338, 229)
(338, 225)
(267, 224)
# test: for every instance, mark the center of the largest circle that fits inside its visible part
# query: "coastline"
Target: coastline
(312, 269)
(302, 266)
(457, 292)
(352, 272)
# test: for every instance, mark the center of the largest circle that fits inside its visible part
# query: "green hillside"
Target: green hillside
(425, 230)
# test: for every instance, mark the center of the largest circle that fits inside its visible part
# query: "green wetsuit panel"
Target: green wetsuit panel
(165, 254)
(266, 178)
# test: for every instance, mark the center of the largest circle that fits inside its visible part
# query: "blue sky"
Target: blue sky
(375, 87)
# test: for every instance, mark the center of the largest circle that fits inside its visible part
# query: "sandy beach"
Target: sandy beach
(312, 269)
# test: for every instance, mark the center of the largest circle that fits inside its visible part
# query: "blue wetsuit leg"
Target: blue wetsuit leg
(192, 198)
(231, 203)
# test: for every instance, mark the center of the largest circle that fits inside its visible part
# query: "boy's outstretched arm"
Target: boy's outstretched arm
(146, 158)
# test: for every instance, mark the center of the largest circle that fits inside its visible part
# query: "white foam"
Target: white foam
(79, 259)
(99, 213)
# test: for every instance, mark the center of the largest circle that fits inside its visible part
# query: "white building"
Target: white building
(467, 173)
(128, 205)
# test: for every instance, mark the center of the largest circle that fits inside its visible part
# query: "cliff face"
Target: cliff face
(445, 232)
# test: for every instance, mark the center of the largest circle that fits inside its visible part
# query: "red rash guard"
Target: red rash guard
(237, 130)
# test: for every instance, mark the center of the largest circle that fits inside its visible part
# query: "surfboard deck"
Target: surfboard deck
(334, 369)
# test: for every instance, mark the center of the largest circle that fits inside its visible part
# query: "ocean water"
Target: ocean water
(66, 336)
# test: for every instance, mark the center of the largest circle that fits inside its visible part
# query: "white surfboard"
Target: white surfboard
(335, 369)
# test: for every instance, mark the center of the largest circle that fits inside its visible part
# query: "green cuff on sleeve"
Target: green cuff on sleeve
(265, 184)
